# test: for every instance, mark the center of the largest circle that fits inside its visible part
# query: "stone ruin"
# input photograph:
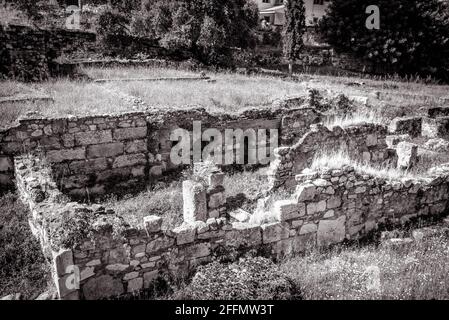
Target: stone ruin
(95, 254)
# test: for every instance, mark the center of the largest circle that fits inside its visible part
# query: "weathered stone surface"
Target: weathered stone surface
(244, 234)
(130, 133)
(316, 207)
(137, 146)
(331, 231)
(271, 232)
(62, 261)
(56, 156)
(135, 285)
(103, 286)
(305, 192)
(407, 155)
(408, 125)
(286, 210)
(194, 198)
(88, 166)
(105, 150)
(185, 234)
(162, 243)
(308, 228)
(93, 137)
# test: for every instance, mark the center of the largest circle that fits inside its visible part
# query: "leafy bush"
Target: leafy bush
(413, 36)
(24, 269)
(207, 28)
(249, 279)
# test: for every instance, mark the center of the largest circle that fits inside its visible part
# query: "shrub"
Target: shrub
(249, 279)
(24, 269)
(417, 42)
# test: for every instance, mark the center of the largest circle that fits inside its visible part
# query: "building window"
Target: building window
(266, 1)
(320, 2)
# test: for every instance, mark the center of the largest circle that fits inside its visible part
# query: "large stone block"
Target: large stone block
(305, 192)
(137, 146)
(185, 234)
(88, 166)
(244, 234)
(105, 150)
(57, 156)
(104, 286)
(93, 137)
(286, 210)
(271, 232)
(407, 125)
(195, 201)
(130, 133)
(407, 155)
(331, 231)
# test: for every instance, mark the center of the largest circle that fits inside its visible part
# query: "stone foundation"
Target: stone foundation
(96, 255)
(93, 156)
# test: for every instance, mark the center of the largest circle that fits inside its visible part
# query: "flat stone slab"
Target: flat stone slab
(153, 79)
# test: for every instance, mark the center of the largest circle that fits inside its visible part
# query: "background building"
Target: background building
(273, 11)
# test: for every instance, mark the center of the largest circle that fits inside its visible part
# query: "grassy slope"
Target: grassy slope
(230, 93)
(420, 271)
(23, 267)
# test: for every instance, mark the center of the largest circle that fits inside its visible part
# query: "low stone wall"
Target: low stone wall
(95, 255)
(436, 127)
(109, 153)
(364, 142)
(28, 54)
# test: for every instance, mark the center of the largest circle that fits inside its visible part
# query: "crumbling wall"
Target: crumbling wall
(28, 54)
(116, 153)
(364, 142)
(107, 258)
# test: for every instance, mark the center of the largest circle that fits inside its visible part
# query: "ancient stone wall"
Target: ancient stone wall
(28, 54)
(111, 259)
(104, 154)
(364, 142)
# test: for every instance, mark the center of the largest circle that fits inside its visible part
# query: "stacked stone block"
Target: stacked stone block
(327, 207)
(365, 142)
(107, 153)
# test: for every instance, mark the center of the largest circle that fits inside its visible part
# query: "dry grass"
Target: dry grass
(231, 93)
(166, 200)
(341, 158)
(420, 271)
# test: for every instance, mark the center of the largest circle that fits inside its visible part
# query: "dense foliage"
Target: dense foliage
(207, 28)
(249, 279)
(24, 269)
(413, 37)
(294, 29)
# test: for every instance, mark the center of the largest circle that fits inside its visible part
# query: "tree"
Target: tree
(294, 29)
(413, 37)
